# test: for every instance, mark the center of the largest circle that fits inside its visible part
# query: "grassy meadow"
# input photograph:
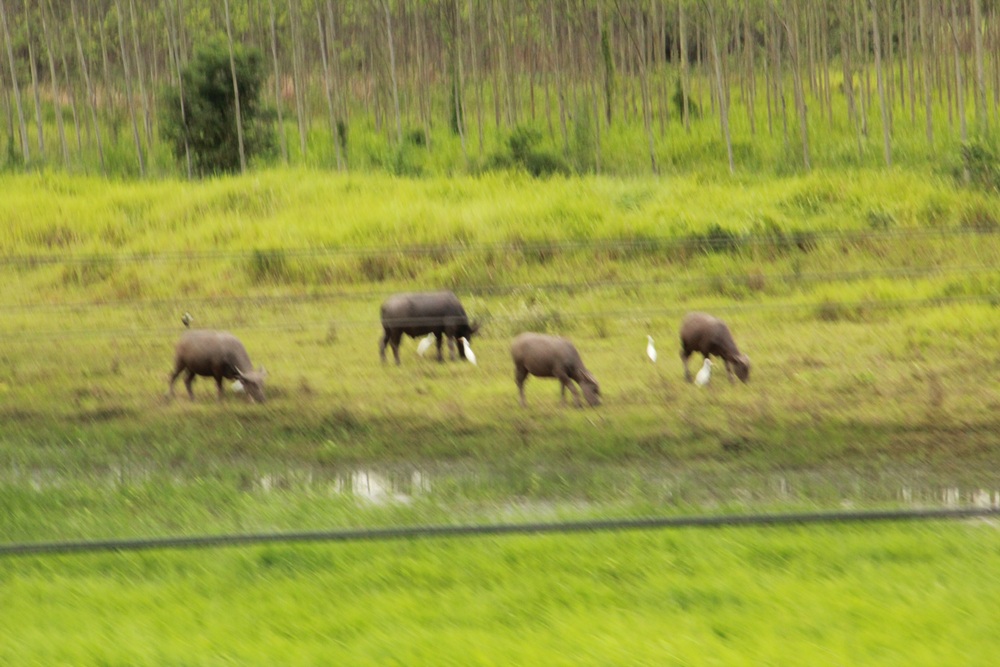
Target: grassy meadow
(866, 300)
(876, 595)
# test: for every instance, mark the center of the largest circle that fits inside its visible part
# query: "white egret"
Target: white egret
(425, 344)
(238, 387)
(650, 350)
(703, 376)
(187, 319)
(469, 354)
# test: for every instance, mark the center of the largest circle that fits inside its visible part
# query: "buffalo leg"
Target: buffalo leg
(173, 378)
(382, 344)
(188, 380)
(566, 383)
(520, 375)
(394, 341)
(218, 385)
(439, 339)
(685, 356)
(451, 347)
(729, 371)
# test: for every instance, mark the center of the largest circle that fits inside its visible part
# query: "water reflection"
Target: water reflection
(829, 487)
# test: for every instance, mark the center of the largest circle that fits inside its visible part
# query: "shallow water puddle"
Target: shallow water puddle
(592, 486)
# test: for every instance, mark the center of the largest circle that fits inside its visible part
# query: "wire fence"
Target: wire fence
(707, 242)
(494, 529)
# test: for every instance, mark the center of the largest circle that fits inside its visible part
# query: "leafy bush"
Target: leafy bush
(268, 266)
(717, 239)
(204, 121)
(524, 154)
(979, 218)
(980, 165)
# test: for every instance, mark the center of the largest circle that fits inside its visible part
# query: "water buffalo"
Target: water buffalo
(704, 333)
(421, 313)
(550, 356)
(216, 354)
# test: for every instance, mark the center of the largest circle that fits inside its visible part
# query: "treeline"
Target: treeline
(84, 80)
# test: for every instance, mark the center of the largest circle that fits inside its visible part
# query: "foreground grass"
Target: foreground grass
(889, 594)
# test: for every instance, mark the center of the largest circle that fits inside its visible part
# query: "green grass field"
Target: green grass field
(867, 301)
(877, 595)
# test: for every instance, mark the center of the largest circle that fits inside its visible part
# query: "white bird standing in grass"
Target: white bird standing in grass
(238, 387)
(187, 319)
(650, 350)
(468, 350)
(425, 344)
(703, 376)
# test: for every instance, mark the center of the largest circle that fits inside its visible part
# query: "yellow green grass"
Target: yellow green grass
(866, 300)
(875, 595)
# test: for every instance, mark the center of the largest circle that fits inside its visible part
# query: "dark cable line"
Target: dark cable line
(479, 530)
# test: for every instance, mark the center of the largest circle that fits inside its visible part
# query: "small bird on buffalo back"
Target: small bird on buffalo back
(703, 376)
(468, 350)
(650, 350)
(425, 344)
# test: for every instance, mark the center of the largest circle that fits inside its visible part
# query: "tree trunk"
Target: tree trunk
(141, 72)
(685, 82)
(34, 83)
(647, 120)
(982, 114)
(282, 138)
(335, 78)
(325, 50)
(794, 48)
(173, 44)
(54, 80)
(926, 56)
(910, 76)
(490, 32)
(845, 58)
(959, 84)
(879, 77)
(749, 74)
(236, 91)
(22, 127)
(392, 72)
(91, 97)
(713, 38)
(298, 76)
(474, 56)
(129, 100)
(69, 81)
(560, 78)
(863, 75)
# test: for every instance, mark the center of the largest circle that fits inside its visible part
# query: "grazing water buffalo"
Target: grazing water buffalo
(553, 357)
(216, 354)
(421, 313)
(704, 333)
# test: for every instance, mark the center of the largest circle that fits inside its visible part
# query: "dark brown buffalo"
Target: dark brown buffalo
(704, 333)
(216, 354)
(547, 356)
(421, 313)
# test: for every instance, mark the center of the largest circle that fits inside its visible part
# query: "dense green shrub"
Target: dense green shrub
(203, 123)
(980, 165)
(523, 153)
